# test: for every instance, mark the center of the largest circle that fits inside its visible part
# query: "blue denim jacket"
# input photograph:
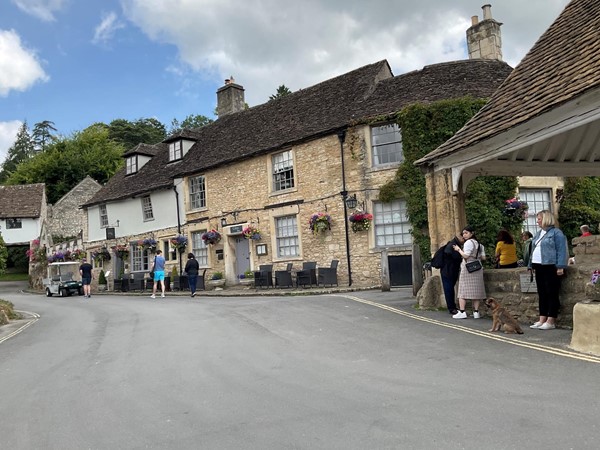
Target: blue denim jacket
(553, 246)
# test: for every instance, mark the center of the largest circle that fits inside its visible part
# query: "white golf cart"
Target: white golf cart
(63, 279)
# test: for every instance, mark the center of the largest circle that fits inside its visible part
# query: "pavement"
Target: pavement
(398, 300)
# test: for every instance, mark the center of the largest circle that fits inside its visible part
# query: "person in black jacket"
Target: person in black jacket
(191, 269)
(450, 271)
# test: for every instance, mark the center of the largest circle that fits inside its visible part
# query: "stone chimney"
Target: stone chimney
(230, 98)
(483, 38)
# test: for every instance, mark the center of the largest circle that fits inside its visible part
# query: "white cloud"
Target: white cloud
(107, 28)
(266, 43)
(19, 67)
(8, 135)
(42, 9)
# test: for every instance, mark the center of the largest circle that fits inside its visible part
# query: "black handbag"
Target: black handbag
(474, 266)
(151, 274)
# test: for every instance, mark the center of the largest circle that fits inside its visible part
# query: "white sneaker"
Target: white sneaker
(536, 325)
(162, 295)
(476, 315)
(547, 326)
(153, 296)
(460, 315)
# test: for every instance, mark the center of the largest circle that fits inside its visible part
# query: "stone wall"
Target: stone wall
(65, 218)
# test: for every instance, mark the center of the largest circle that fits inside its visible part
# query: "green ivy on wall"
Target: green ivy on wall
(424, 128)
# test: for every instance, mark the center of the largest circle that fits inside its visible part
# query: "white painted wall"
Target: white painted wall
(130, 216)
(29, 231)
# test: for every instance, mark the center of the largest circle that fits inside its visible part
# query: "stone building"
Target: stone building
(275, 165)
(23, 211)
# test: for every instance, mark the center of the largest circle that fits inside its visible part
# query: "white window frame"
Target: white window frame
(386, 144)
(537, 200)
(139, 259)
(103, 212)
(283, 171)
(132, 164)
(286, 236)
(147, 213)
(175, 150)
(391, 224)
(199, 248)
(197, 192)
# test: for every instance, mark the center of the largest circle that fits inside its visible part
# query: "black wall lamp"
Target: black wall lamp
(223, 222)
(351, 202)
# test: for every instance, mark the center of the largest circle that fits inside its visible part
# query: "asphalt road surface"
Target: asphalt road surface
(307, 372)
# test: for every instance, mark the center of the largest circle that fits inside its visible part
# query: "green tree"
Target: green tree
(130, 134)
(68, 160)
(42, 135)
(190, 122)
(3, 255)
(579, 205)
(282, 91)
(20, 151)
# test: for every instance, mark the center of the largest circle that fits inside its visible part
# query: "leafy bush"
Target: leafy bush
(8, 309)
(217, 276)
(102, 277)
(579, 205)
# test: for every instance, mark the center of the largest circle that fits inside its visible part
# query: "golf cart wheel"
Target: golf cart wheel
(80, 291)
(62, 292)
(48, 293)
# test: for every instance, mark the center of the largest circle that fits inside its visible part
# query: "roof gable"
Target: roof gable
(21, 201)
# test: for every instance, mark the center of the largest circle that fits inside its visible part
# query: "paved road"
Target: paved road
(361, 370)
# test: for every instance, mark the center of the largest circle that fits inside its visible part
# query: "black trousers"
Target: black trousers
(548, 285)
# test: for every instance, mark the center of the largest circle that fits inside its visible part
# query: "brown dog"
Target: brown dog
(502, 318)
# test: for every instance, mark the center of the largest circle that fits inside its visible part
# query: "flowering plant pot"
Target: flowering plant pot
(101, 255)
(516, 208)
(319, 222)
(211, 237)
(251, 232)
(122, 251)
(148, 244)
(360, 221)
(179, 242)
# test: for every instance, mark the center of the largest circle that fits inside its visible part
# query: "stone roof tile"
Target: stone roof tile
(21, 201)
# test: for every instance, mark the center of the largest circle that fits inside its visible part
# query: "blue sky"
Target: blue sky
(76, 62)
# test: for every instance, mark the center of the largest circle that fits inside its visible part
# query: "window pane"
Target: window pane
(386, 142)
(286, 233)
(103, 216)
(200, 248)
(147, 208)
(197, 190)
(392, 227)
(139, 259)
(283, 171)
(537, 200)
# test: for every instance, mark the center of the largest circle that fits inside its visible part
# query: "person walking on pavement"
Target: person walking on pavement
(159, 273)
(85, 270)
(450, 272)
(191, 269)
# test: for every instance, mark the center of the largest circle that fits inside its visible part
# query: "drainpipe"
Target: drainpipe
(178, 224)
(344, 193)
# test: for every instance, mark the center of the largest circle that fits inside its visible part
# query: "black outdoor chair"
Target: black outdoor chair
(283, 278)
(180, 283)
(200, 285)
(264, 276)
(308, 274)
(328, 275)
(138, 282)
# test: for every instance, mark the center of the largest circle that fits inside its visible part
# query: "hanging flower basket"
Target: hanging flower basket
(360, 221)
(122, 251)
(179, 242)
(77, 255)
(148, 244)
(101, 255)
(211, 237)
(319, 222)
(516, 208)
(251, 232)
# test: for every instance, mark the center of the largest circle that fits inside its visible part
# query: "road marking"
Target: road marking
(35, 318)
(485, 334)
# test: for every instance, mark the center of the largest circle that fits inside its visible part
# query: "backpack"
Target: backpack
(438, 258)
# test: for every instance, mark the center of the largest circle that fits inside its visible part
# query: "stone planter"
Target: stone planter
(101, 287)
(217, 285)
(247, 282)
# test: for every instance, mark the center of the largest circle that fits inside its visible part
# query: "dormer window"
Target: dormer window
(175, 151)
(132, 164)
